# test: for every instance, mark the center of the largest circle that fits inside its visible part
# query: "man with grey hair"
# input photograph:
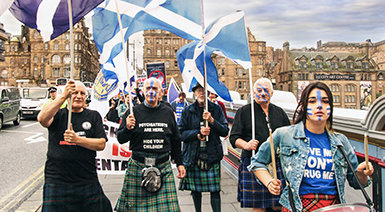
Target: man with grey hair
(71, 182)
(250, 193)
(154, 137)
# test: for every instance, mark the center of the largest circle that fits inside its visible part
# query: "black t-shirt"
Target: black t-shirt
(71, 163)
(155, 131)
(242, 124)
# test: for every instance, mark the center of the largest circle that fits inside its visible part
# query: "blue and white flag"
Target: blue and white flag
(50, 17)
(179, 17)
(173, 91)
(227, 37)
(182, 18)
(5, 4)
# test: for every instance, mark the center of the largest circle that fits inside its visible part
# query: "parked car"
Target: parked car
(32, 101)
(9, 105)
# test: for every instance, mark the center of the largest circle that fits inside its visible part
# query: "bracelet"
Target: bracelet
(267, 185)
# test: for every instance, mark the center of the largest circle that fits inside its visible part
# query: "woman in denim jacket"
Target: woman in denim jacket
(312, 164)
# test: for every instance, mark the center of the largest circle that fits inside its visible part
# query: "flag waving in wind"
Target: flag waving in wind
(50, 17)
(176, 16)
(227, 37)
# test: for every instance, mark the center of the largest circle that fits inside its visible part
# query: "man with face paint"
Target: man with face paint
(154, 137)
(250, 193)
(202, 156)
(310, 156)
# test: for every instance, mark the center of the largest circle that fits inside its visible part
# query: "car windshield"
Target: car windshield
(31, 93)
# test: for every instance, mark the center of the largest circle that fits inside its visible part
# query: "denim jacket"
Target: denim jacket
(292, 146)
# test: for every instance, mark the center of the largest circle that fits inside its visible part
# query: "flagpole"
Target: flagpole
(72, 59)
(204, 64)
(125, 54)
(252, 108)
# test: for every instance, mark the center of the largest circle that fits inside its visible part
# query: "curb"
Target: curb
(23, 191)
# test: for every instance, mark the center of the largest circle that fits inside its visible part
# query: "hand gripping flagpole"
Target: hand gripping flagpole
(72, 60)
(252, 108)
(125, 54)
(204, 64)
(272, 149)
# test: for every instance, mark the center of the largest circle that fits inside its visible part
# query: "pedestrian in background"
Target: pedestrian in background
(251, 194)
(179, 104)
(202, 157)
(313, 164)
(154, 137)
(71, 182)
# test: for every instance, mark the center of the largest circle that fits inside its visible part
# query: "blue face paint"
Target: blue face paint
(328, 109)
(151, 93)
(309, 111)
(263, 93)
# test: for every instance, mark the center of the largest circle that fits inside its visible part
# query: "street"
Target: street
(22, 153)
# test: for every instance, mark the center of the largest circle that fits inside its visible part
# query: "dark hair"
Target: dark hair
(182, 94)
(301, 110)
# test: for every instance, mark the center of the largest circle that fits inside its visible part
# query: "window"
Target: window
(260, 61)
(239, 84)
(260, 72)
(67, 59)
(55, 59)
(56, 46)
(166, 41)
(176, 42)
(67, 36)
(242, 96)
(167, 52)
(223, 71)
(167, 64)
(336, 99)
(35, 58)
(35, 47)
(46, 47)
(334, 65)
(318, 65)
(66, 71)
(35, 73)
(158, 41)
(365, 65)
(35, 35)
(335, 88)
(158, 52)
(349, 65)
(67, 46)
(4, 74)
(175, 64)
(149, 51)
(55, 72)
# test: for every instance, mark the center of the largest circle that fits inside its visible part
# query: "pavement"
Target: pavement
(112, 185)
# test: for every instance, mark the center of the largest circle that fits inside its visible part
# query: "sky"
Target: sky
(300, 22)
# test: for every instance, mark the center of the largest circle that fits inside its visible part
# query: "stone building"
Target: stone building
(3, 38)
(348, 69)
(31, 62)
(161, 46)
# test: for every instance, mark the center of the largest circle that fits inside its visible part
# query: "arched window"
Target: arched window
(55, 59)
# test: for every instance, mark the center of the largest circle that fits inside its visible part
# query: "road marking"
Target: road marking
(31, 181)
(28, 125)
(35, 138)
(19, 131)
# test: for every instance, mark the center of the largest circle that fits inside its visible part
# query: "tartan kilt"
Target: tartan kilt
(63, 197)
(200, 180)
(252, 194)
(135, 198)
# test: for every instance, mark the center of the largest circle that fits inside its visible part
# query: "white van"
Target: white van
(32, 100)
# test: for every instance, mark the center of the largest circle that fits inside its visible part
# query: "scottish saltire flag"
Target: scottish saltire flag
(227, 37)
(173, 91)
(5, 4)
(50, 17)
(179, 17)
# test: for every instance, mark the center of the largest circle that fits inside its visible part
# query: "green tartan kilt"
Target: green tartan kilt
(135, 198)
(200, 180)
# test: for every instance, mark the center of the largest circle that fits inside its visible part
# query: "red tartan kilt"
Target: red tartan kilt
(311, 202)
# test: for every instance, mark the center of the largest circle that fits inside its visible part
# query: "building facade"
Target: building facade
(31, 62)
(348, 69)
(161, 46)
(3, 38)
